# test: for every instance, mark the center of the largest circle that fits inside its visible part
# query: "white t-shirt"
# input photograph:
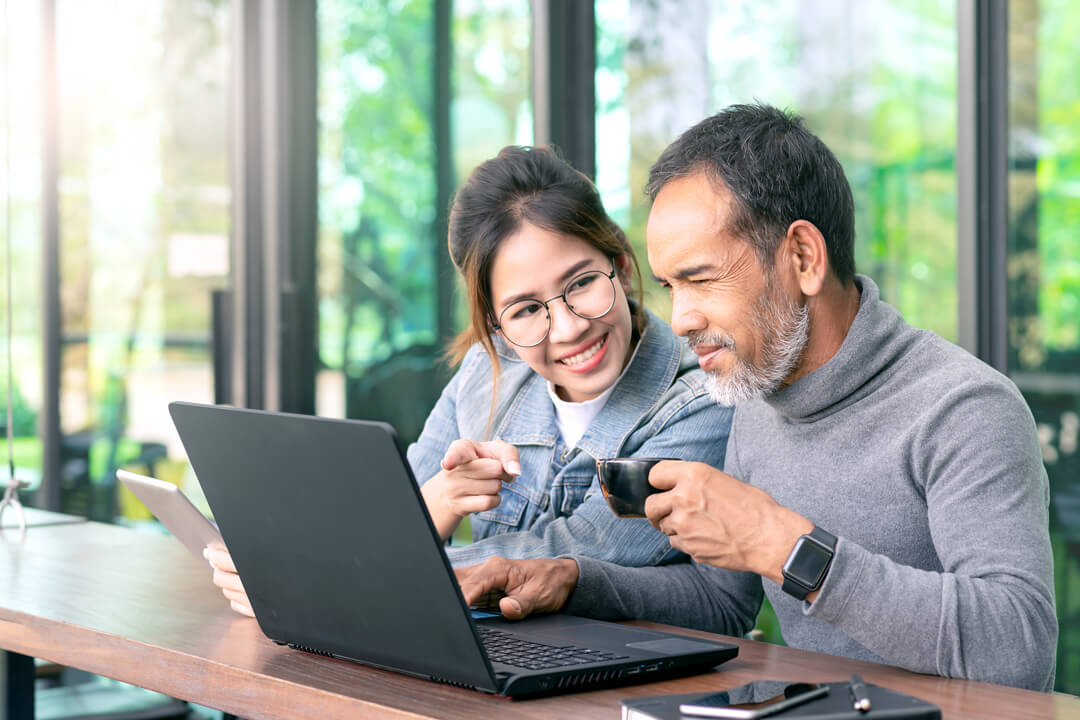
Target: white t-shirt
(573, 418)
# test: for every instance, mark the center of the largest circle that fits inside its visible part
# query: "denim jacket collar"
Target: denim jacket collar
(530, 420)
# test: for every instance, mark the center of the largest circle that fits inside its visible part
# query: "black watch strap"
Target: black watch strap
(824, 537)
(825, 542)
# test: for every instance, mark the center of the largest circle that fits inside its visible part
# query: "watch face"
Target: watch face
(807, 562)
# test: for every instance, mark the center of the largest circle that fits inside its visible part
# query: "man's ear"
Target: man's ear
(804, 249)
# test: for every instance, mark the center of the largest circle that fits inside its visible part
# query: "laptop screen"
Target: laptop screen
(329, 532)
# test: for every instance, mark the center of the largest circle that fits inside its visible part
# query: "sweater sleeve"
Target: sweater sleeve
(989, 614)
(687, 594)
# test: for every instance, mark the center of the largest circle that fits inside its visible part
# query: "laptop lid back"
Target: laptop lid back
(327, 529)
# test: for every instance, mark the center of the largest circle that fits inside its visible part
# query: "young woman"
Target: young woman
(560, 365)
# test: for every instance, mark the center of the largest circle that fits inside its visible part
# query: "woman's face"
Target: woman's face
(581, 357)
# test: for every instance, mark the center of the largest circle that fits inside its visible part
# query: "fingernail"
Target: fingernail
(513, 467)
(206, 553)
(516, 604)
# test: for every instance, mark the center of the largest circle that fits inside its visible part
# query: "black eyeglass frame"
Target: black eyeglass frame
(614, 296)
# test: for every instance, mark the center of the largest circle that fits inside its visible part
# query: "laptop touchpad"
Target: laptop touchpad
(671, 646)
(594, 635)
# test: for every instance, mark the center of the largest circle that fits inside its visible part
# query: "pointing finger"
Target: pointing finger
(504, 452)
(460, 451)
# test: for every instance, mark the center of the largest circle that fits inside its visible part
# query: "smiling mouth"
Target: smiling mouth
(585, 354)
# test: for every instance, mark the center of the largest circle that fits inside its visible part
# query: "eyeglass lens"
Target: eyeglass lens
(589, 295)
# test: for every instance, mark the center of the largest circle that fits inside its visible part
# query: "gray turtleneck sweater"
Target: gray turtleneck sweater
(925, 463)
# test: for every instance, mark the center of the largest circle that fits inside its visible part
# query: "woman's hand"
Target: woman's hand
(471, 478)
(225, 577)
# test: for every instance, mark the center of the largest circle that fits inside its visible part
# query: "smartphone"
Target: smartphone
(758, 699)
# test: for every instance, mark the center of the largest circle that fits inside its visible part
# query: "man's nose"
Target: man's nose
(565, 325)
(685, 316)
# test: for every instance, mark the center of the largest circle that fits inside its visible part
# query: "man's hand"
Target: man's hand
(226, 578)
(524, 586)
(720, 520)
(470, 480)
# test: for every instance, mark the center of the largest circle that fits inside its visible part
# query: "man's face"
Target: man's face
(748, 331)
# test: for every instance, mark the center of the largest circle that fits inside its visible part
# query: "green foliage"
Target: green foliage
(378, 178)
(28, 452)
(889, 114)
(1058, 183)
(768, 624)
(23, 417)
(380, 245)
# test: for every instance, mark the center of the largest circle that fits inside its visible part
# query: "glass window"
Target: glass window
(20, 205)
(381, 244)
(1044, 274)
(875, 80)
(144, 223)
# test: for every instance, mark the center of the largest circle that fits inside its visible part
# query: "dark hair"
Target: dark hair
(523, 185)
(777, 172)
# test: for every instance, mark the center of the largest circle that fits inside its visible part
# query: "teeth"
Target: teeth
(584, 355)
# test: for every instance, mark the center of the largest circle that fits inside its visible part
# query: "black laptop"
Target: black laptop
(338, 556)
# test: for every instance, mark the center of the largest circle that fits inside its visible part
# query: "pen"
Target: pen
(859, 698)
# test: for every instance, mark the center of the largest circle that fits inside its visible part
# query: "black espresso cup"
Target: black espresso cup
(625, 482)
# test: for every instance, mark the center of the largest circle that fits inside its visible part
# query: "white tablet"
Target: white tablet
(174, 510)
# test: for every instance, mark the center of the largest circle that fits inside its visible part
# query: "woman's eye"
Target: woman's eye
(526, 311)
(581, 283)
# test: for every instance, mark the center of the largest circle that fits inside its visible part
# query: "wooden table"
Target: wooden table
(35, 518)
(139, 608)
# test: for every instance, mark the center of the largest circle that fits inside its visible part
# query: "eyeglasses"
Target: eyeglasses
(590, 295)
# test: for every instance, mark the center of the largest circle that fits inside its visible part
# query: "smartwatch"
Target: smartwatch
(809, 561)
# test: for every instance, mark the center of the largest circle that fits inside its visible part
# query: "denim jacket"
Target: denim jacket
(659, 408)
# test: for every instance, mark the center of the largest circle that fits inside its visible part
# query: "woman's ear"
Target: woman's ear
(624, 269)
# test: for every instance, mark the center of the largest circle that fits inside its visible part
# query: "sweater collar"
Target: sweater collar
(872, 344)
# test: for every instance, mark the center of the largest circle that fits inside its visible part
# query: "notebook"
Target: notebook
(836, 705)
(337, 553)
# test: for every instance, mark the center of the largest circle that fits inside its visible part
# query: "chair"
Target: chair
(400, 390)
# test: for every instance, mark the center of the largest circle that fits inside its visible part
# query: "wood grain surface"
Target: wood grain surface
(141, 609)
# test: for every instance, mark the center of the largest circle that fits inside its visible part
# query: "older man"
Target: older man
(882, 487)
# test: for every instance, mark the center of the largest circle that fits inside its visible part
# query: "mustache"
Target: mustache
(718, 340)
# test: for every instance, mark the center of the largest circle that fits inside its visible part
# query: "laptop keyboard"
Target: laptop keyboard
(502, 647)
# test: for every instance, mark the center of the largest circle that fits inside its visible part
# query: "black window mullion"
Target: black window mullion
(298, 149)
(444, 169)
(571, 57)
(991, 177)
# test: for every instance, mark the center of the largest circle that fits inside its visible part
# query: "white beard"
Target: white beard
(784, 329)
